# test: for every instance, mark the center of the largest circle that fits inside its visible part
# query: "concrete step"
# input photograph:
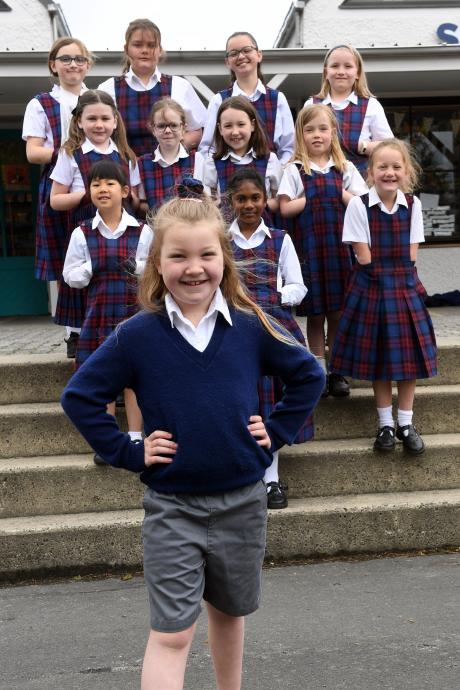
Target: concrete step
(42, 429)
(74, 484)
(41, 378)
(33, 378)
(65, 484)
(42, 545)
(350, 466)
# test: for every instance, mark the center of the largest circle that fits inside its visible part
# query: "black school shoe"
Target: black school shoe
(338, 386)
(385, 440)
(276, 497)
(98, 460)
(72, 342)
(411, 440)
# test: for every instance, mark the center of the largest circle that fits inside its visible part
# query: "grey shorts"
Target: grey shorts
(205, 546)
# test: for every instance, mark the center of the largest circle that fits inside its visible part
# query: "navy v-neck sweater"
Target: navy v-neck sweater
(204, 399)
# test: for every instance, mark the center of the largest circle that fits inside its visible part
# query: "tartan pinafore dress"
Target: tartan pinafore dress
(225, 168)
(266, 106)
(350, 121)
(317, 237)
(112, 291)
(159, 181)
(385, 331)
(135, 106)
(51, 230)
(259, 274)
(71, 302)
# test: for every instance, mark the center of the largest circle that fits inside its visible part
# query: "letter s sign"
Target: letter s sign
(448, 33)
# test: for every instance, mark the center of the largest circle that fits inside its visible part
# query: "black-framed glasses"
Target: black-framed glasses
(247, 50)
(68, 59)
(163, 126)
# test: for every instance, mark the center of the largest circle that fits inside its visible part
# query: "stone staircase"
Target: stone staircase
(61, 513)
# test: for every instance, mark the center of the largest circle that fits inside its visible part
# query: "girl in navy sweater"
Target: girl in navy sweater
(194, 357)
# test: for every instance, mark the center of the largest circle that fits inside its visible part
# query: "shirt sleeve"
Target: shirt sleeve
(36, 123)
(78, 270)
(67, 172)
(134, 174)
(274, 174)
(284, 130)
(417, 233)
(292, 287)
(143, 246)
(375, 125)
(291, 183)
(184, 93)
(206, 144)
(209, 173)
(109, 87)
(353, 181)
(356, 225)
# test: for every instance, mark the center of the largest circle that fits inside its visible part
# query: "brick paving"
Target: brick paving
(39, 335)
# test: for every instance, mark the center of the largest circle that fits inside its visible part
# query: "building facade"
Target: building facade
(411, 51)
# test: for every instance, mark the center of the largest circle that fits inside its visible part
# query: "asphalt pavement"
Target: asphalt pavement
(388, 623)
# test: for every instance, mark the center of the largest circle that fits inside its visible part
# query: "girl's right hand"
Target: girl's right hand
(157, 446)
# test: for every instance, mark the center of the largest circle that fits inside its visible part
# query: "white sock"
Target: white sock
(71, 329)
(385, 416)
(271, 473)
(405, 418)
(322, 363)
(135, 435)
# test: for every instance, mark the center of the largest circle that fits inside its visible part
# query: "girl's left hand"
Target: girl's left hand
(257, 429)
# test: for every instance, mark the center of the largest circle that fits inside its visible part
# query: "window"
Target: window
(434, 132)
(384, 4)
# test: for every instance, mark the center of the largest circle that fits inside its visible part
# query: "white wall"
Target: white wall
(27, 27)
(325, 25)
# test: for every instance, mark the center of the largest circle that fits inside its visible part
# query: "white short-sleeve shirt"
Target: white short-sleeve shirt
(356, 223)
(36, 123)
(375, 126)
(292, 186)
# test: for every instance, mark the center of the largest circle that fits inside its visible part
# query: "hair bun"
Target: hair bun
(189, 188)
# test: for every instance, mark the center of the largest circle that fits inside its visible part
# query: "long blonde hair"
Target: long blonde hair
(410, 163)
(77, 135)
(190, 211)
(360, 86)
(306, 115)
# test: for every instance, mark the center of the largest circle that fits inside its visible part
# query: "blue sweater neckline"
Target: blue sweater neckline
(204, 358)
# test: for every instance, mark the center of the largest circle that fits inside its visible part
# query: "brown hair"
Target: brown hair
(254, 43)
(152, 290)
(167, 104)
(306, 115)
(410, 163)
(77, 136)
(140, 25)
(61, 43)
(360, 86)
(258, 140)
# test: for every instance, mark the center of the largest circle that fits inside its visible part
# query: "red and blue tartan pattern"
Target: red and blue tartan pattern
(225, 168)
(259, 269)
(266, 106)
(135, 106)
(51, 228)
(112, 291)
(317, 235)
(159, 181)
(385, 331)
(86, 209)
(351, 120)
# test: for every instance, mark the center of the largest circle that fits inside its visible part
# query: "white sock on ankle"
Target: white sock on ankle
(385, 416)
(271, 473)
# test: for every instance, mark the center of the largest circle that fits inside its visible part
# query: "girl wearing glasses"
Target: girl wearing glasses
(244, 59)
(170, 161)
(45, 129)
(142, 84)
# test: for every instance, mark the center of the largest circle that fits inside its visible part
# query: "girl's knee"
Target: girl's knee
(175, 641)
